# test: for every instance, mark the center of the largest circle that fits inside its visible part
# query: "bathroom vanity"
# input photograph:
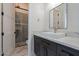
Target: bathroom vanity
(46, 45)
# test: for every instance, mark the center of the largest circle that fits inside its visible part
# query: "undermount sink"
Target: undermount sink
(54, 35)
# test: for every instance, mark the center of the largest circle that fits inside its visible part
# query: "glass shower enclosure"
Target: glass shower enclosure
(21, 28)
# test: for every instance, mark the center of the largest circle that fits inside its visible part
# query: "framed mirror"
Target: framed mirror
(58, 17)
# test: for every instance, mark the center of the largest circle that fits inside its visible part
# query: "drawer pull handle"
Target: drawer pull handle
(67, 52)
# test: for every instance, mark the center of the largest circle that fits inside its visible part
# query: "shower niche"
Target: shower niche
(21, 28)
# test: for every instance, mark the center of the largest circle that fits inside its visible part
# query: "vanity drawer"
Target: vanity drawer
(66, 51)
(49, 44)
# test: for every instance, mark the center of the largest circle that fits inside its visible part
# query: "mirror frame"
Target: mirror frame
(66, 16)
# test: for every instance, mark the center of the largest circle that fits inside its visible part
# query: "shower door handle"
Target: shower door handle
(15, 32)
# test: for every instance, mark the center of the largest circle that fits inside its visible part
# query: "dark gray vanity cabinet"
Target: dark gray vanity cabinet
(43, 47)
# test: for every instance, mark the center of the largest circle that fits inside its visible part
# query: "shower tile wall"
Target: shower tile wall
(21, 27)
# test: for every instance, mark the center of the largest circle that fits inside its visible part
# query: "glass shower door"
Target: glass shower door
(21, 27)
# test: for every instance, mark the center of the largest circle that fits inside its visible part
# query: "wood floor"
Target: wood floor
(20, 51)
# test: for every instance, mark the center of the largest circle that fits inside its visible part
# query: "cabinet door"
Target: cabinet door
(50, 52)
(50, 48)
(61, 51)
(36, 45)
(37, 48)
(66, 51)
(42, 50)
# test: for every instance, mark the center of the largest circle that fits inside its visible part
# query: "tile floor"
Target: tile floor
(20, 51)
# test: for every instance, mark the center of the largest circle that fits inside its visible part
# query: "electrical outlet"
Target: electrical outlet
(38, 20)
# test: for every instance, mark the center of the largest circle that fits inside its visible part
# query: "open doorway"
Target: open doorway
(21, 29)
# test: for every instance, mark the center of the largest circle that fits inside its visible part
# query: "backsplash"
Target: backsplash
(73, 34)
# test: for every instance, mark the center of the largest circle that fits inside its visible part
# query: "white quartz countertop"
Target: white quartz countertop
(72, 42)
